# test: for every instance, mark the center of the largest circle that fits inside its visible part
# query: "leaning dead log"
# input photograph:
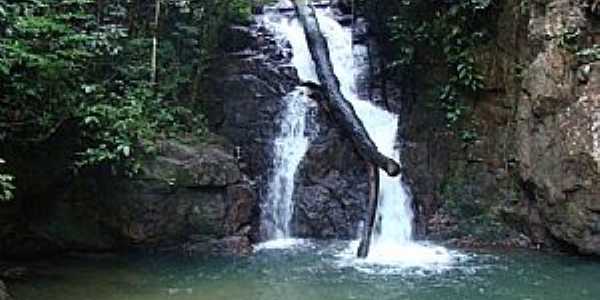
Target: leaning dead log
(340, 109)
(367, 230)
(344, 115)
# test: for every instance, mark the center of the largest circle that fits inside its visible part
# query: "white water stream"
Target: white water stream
(290, 147)
(392, 242)
(293, 140)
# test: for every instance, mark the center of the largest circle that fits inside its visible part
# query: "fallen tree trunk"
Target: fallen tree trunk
(340, 109)
(344, 115)
(367, 230)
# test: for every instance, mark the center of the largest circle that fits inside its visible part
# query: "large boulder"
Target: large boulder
(330, 186)
(189, 192)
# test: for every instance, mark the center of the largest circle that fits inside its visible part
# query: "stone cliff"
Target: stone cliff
(531, 175)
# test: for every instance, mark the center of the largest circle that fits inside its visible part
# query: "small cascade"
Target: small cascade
(394, 212)
(295, 132)
(290, 147)
(392, 242)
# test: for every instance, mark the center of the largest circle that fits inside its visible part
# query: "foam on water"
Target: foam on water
(408, 258)
(392, 245)
(392, 248)
(278, 244)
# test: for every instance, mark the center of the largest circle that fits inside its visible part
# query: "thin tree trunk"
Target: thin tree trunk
(341, 110)
(155, 42)
(371, 213)
(345, 116)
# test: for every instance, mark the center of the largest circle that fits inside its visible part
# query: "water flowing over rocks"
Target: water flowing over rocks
(246, 99)
(532, 178)
(330, 184)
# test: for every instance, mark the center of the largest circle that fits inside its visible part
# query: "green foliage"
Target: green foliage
(568, 39)
(89, 61)
(118, 127)
(427, 34)
(468, 136)
(195, 32)
(6, 184)
(42, 63)
(475, 216)
(590, 54)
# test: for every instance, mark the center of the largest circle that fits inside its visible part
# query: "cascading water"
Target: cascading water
(290, 147)
(294, 138)
(394, 211)
(392, 243)
(393, 239)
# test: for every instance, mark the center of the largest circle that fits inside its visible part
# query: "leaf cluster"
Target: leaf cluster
(89, 61)
(428, 36)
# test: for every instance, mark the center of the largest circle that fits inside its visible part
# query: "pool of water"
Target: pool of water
(314, 271)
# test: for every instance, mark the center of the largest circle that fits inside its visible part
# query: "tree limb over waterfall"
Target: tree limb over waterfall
(340, 109)
(367, 230)
(343, 113)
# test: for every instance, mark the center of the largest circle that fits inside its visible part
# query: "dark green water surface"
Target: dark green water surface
(313, 273)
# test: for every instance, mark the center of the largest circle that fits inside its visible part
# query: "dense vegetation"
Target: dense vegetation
(432, 37)
(124, 73)
(94, 65)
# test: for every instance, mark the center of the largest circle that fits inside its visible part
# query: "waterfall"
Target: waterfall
(394, 212)
(289, 148)
(294, 137)
(392, 242)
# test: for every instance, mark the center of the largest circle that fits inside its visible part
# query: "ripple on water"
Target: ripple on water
(319, 270)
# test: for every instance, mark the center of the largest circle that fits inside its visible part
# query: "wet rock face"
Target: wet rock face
(187, 193)
(558, 126)
(247, 98)
(535, 164)
(331, 187)
(247, 103)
